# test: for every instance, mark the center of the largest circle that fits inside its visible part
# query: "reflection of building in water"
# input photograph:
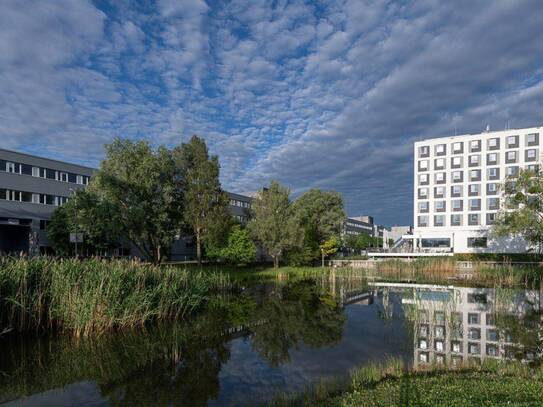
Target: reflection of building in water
(456, 324)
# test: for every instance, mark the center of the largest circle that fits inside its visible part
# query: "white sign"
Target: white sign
(76, 237)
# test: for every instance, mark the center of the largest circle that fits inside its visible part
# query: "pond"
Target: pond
(273, 338)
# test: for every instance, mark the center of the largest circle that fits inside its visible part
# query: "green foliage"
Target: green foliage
(522, 213)
(206, 204)
(91, 297)
(273, 224)
(329, 247)
(239, 249)
(143, 187)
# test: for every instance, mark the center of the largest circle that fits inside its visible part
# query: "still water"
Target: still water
(271, 338)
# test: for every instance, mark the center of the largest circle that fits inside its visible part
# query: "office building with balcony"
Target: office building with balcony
(457, 192)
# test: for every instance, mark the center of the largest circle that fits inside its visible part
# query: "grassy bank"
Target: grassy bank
(492, 383)
(91, 297)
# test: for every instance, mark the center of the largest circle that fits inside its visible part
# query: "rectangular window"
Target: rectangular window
(530, 155)
(441, 149)
(456, 162)
(439, 192)
(440, 177)
(490, 218)
(476, 242)
(456, 191)
(458, 147)
(456, 220)
(439, 164)
(493, 173)
(63, 176)
(474, 204)
(457, 205)
(512, 171)
(35, 172)
(423, 179)
(493, 204)
(474, 348)
(475, 146)
(473, 318)
(532, 139)
(492, 335)
(511, 157)
(512, 141)
(492, 159)
(493, 144)
(440, 206)
(423, 207)
(474, 190)
(474, 334)
(423, 165)
(475, 175)
(79, 179)
(423, 193)
(533, 168)
(10, 167)
(422, 221)
(424, 151)
(492, 189)
(457, 176)
(473, 219)
(474, 160)
(36, 198)
(439, 220)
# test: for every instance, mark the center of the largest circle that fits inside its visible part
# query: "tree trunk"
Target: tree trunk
(275, 261)
(198, 247)
(322, 258)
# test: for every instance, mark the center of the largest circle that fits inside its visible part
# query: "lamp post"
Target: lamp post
(75, 223)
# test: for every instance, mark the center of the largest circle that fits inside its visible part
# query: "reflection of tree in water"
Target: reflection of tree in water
(299, 312)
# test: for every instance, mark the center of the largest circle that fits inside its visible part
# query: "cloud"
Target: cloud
(329, 94)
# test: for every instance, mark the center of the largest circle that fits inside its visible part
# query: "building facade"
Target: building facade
(31, 188)
(457, 188)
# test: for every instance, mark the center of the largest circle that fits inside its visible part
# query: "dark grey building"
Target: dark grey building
(31, 188)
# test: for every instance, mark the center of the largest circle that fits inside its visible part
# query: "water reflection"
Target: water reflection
(459, 324)
(273, 337)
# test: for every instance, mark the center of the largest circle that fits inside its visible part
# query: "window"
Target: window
(474, 204)
(435, 242)
(457, 176)
(532, 139)
(492, 335)
(530, 155)
(474, 160)
(492, 158)
(458, 147)
(456, 220)
(63, 176)
(35, 171)
(439, 192)
(423, 329)
(422, 221)
(492, 188)
(490, 319)
(456, 205)
(441, 149)
(456, 190)
(423, 207)
(473, 219)
(423, 357)
(474, 333)
(512, 141)
(475, 146)
(10, 167)
(493, 144)
(438, 346)
(439, 164)
(475, 175)
(477, 243)
(474, 190)
(424, 151)
(477, 298)
(440, 206)
(512, 171)
(79, 179)
(493, 203)
(473, 318)
(511, 157)
(533, 167)
(439, 220)
(493, 173)
(439, 331)
(36, 198)
(423, 193)
(456, 162)
(423, 344)
(43, 224)
(440, 177)
(423, 179)
(474, 348)
(456, 346)
(490, 218)
(423, 165)
(492, 350)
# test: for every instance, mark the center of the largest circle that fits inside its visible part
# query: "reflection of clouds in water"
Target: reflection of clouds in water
(82, 393)
(365, 339)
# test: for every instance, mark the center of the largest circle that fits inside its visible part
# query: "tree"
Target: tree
(273, 223)
(328, 247)
(322, 216)
(143, 187)
(206, 204)
(239, 248)
(522, 212)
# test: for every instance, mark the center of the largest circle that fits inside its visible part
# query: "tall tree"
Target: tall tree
(144, 188)
(206, 204)
(322, 215)
(522, 211)
(273, 223)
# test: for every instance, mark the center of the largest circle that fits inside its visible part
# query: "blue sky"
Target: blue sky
(325, 94)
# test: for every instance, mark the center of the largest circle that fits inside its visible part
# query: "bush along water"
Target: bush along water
(94, 296)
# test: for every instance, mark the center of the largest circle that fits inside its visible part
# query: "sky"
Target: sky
(313, 94)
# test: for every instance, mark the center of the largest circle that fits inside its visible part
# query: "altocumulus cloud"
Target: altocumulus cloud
(327, 94)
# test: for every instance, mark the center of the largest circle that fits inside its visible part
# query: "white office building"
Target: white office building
(457, 188)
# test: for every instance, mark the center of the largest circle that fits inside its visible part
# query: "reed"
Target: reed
(94, 296)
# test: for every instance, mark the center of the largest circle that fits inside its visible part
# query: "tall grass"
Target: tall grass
(93, 296)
